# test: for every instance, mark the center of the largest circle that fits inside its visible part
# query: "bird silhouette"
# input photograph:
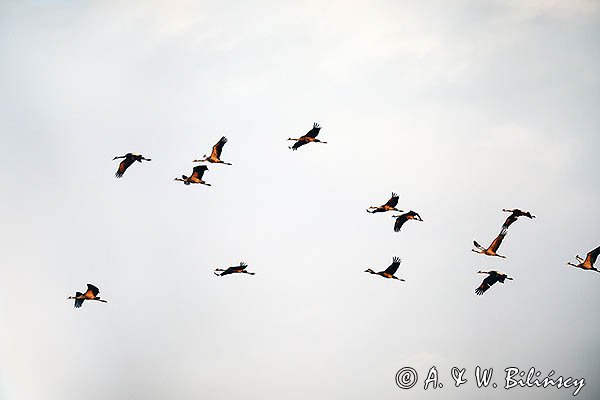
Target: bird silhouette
(491, 250)
(196, 176)
(215, 155)
(90, 294)
(129, 159)
(236, 269)
(401, 219)
(309, 137)
(490, 280)
(588, 263)
(389, 206)
(389, 271)
(515, 214)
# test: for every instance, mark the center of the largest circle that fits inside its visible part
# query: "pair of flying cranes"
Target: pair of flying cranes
(197, 172)
(311, 137)
(92, 291)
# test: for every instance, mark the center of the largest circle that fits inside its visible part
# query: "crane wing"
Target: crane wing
(592, 256)
(486, 284)
(123, 165)
(218, 148)
(394, 266)
(78, 302)
(480, 247)
(230, 270)
(393, 201)
(92, 289)
(198, 171)
(414, 215)
(399, 222)
(498, 241)
(298, 144)
(314, 131)
(509, 221)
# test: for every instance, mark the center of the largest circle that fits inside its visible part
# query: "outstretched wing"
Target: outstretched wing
(198, 171)
(414, 215)
(92, 289)
(232, 270)
(242, 265)
(485, 285)
(498, 241)
(480, 247)
(394, 266)
(298, 144)
(592, 256)
(393, 201)
(399, 222)
(509, 221)
(218, 148)
(123, 165)
(314, 131)
(78, 302)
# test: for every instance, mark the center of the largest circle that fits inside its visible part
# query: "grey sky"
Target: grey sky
(463, 110)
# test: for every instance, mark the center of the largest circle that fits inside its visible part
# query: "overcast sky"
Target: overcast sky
(462, 110)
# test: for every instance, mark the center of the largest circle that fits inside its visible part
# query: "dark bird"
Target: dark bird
(90, 294)
(216, 153)
(129, 159)
(196, 176)
(588, 263)
(310, 136)
(389, 271)
(401, 219)
(491, 250)
(493, 277)
(236, 269)
(515, 214)
(389, 206)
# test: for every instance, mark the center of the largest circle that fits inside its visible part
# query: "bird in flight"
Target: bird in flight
(216, 153)
(196, 176)
(310, 136)
(389, 271)
(401, 219)
(236, 269)
(90, 294)
(129, 159)
(491, 250)
(493, 277)
(389, 206)
(515, 214)
(588, 263)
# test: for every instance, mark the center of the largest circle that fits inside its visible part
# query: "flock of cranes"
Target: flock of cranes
(311, 137)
